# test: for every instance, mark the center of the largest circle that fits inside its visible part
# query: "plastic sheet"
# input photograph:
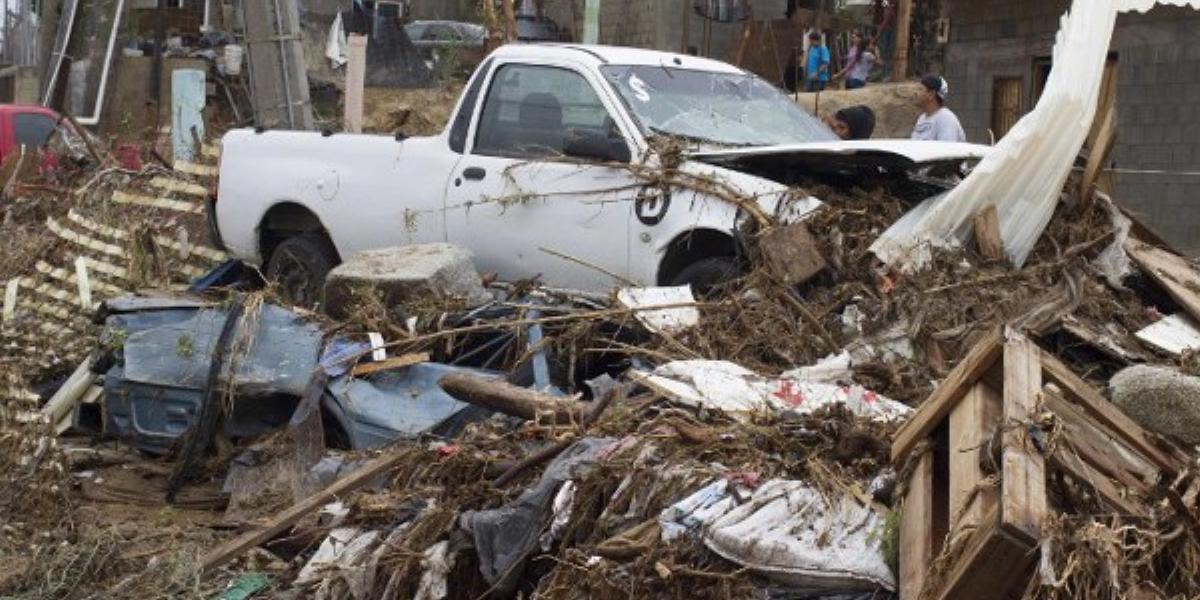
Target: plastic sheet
(1024, 175)
(788, 532)
(727, 387)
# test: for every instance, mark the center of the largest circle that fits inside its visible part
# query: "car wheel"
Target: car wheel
(299, 265)
(707, 274)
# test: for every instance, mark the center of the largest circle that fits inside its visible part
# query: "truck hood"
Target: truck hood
(904, 153)
(897, 164)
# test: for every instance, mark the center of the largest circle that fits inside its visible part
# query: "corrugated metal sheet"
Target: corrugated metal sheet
(1024, 175)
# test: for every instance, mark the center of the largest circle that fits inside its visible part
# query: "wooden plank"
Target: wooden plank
(916, 535)
(390, 364)
(170, 185)
(356, 77)
(971, 425)
(938, 405)
(994, 564)
(1101, 448)
(196, 169)
(121, 197)
(1164, 454)
(1101, 149)
(1171, 271)
(282, 521)
(1069, 460)
(1023, 468)
(987, 234)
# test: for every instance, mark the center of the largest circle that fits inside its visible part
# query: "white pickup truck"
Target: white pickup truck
(542, 171)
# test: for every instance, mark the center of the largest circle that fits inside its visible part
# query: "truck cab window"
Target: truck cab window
(532, 111)
(33, 130)
(462, 120)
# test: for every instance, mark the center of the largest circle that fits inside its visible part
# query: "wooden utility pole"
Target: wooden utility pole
(510, 21)
(687, 26)
(903, 33)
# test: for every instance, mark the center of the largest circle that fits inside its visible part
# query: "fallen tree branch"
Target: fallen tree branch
(509, 399)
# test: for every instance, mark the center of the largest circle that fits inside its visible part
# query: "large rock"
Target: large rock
(895, 105)
(406, 275)
(1161, 399)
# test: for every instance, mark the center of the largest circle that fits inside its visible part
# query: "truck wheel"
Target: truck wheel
(706, 274)
(299, 265)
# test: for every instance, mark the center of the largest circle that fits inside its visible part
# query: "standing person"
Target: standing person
(936, 123)
(817, 73)
(860, 59)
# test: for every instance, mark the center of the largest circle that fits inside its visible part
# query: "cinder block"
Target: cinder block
(405, 275)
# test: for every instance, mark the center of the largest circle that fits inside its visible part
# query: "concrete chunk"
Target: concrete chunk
(404, 275)
(1161, 399)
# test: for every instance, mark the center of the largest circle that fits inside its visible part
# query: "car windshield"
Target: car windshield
(713, 109)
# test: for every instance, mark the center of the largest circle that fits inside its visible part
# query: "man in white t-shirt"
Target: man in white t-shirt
(936, 123)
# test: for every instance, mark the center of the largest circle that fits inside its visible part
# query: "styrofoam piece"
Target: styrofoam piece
(669, 320)
(1173, 334)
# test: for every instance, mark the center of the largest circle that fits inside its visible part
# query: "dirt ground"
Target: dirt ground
(895, 105)
(411, 111)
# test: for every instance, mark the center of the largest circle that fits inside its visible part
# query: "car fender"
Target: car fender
(706, 206)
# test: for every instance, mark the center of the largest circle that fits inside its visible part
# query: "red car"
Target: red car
(29, 126)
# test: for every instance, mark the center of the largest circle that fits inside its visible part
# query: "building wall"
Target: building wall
(1158, 57)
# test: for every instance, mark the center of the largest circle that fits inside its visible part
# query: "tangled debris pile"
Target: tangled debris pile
(545, 444)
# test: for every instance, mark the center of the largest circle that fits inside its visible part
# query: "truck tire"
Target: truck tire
(299, 265)
(706, 274)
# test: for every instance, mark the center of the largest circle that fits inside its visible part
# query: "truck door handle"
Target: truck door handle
(474, 173)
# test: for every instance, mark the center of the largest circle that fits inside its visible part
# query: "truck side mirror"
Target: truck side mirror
(591, 145)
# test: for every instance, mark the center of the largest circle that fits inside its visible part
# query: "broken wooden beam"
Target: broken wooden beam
(791, 253)
(987, 234)
(391, 364)
(503, 397)
(1170, 271)
(290, 516)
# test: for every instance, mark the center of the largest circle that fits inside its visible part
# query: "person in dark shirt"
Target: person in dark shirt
(853, 122)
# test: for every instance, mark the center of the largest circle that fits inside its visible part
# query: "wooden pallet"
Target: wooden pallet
(978, 456)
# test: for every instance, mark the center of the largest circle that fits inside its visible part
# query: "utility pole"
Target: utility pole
(903, 33)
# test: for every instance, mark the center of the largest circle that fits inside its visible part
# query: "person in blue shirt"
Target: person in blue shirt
(817, 73)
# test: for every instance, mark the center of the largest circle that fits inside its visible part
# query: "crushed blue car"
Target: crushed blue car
(156, 357)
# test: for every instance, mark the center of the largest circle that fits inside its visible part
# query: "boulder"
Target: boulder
(1161, 399)
(405, 275)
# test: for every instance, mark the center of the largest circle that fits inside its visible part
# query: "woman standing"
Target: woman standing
(860, 59)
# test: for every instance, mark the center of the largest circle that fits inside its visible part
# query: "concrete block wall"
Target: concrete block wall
(1158, 96)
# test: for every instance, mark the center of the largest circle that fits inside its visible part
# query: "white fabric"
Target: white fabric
(738, 392)
(337, 50)
(1024, 175)
(789, 532)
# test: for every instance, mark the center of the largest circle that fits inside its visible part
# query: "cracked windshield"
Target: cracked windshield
(713, 109)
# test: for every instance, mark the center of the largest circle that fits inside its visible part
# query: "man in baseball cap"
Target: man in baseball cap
(936, 123)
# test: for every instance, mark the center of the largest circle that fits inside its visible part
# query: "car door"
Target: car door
(525, 209)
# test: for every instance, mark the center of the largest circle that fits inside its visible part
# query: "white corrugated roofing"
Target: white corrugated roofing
(1024, 174)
